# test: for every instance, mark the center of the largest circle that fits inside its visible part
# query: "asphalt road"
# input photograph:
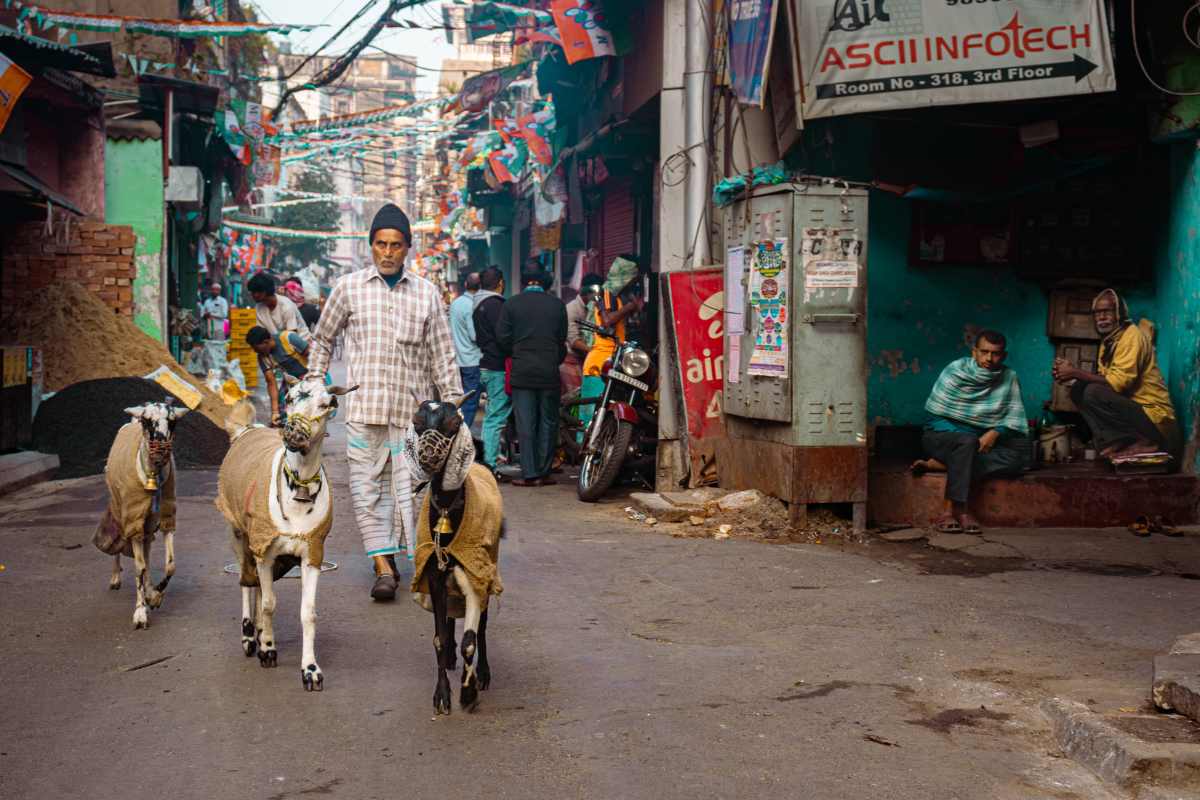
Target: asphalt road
(625, 663)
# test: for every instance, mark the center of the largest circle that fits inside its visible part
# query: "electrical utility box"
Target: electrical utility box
(795, 394)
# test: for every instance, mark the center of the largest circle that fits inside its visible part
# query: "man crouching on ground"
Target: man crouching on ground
(976, 429)
(399, 348)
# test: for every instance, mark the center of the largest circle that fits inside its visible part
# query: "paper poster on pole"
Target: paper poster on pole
(735, 292)
(733, 358)
(881, 55)
(751, 32)
(769, 301)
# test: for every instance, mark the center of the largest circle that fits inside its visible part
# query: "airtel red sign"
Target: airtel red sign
(698, 310)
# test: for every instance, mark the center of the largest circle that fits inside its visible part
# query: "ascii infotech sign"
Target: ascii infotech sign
(879, 55)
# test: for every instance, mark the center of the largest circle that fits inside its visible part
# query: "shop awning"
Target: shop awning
(33, 51)
(32, 187)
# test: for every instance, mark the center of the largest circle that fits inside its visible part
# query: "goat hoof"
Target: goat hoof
(268, 658)
(141, 619)
(441, 698)
(485, 678)
(313, 679)
(249, 646)
(114, 585)
(154, 600)
(468, 646)
(468, 696)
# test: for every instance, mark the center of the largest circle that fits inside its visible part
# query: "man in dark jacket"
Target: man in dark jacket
(533, 329)
(488, 302)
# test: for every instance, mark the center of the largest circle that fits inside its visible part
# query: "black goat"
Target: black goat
(457, 550)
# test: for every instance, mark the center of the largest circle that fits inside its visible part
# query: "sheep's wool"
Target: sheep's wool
(476, 544)
(129, 504)
(243, 497)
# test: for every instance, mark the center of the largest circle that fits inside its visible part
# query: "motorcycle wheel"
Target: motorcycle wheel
(599, 469)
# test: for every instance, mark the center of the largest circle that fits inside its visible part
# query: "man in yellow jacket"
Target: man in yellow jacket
(1125, 403)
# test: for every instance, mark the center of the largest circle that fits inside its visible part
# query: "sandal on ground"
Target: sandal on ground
(1164, 526)
(1140, 526)
(946, 523)
(970, 525)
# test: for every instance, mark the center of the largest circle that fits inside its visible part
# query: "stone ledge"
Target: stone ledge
(1120, 757)
(18, 470)
(1177, 684)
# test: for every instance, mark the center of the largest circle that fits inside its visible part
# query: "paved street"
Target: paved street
(626, 664)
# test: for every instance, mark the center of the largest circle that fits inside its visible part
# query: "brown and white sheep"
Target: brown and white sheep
(277, 499)
(140, 476)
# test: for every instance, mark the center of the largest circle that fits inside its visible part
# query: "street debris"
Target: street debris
(709, 513)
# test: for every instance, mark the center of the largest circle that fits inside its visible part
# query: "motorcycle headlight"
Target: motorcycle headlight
(635, 362)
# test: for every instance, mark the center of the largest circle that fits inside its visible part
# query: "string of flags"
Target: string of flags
(291, 233)
(171, 28)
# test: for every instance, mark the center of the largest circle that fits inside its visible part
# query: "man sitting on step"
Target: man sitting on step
(1126, 403)
(976, 428)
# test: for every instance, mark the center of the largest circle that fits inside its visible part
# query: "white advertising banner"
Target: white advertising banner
(882, 55)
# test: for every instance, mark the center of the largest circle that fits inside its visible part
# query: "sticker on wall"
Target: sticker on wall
(769, 301)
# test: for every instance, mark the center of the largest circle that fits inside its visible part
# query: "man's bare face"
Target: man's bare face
(989, 355)
(389, 248)
(1104, 315)
(264, 297)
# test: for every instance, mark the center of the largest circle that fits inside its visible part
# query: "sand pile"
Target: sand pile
(79, 423)
(82, 339)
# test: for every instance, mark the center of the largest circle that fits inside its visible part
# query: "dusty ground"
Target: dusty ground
(626, 663)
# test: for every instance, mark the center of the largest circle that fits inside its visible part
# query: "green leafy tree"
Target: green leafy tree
(321, 216)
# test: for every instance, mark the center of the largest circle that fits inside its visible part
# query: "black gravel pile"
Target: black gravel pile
(78, 425)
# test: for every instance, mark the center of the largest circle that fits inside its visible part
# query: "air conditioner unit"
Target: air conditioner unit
(185, 187)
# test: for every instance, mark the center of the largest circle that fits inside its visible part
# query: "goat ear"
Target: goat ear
(466, 397)
(338, 391)
(136, 411)
(175, 412)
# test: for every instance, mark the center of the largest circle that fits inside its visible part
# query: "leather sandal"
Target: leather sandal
(946, 523)
(1140, 526)
(384, 588)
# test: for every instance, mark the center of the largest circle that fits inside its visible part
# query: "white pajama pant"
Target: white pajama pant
(381, 489)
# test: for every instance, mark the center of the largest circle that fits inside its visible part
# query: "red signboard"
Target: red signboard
(698, 308)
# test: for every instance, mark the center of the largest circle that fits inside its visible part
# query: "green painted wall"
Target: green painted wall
(133, 195)
(1178, 282)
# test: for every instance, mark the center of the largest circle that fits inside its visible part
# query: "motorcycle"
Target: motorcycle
(624, 430)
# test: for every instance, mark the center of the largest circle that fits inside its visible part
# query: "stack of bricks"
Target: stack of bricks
(97, 256)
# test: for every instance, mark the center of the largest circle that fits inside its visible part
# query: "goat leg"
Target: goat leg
(468, 696)
(482, 670)
(141, 618)
(267, 655)
(114, 582)
(438, 592)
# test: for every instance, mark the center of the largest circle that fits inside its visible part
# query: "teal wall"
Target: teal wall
(1178, 282)
(921, 318)
(133, 195)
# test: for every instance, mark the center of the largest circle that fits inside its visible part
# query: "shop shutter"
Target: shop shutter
(619, 228)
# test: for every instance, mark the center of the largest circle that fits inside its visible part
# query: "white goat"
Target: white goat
(275, 495)
(140, 475)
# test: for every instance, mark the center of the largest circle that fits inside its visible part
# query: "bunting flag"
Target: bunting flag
(536, 129)
(171, 28)
(291, 233)
(13, 82)
(140, 66)
(478, 91)
(584, 29)
(358, 119)
(508, 163)
(486, 18)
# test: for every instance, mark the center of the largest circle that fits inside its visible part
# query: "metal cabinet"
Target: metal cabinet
(795, 394)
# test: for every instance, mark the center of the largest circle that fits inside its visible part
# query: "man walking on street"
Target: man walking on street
(273, 311)
(488, 303)
(399, 349)
(462, 328)
(533, 328)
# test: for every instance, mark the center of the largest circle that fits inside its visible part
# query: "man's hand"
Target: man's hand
(988, 441)
(1064, 370)
(276, 418)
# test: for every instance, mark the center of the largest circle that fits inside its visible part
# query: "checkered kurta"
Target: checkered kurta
(398, 343)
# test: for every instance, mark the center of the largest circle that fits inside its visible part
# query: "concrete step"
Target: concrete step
(1177, 678)
(1157, 753)
(18, 470)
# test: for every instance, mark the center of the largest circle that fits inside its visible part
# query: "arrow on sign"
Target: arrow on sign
(1078, 68)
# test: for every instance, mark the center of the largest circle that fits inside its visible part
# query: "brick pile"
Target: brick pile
(94, 255)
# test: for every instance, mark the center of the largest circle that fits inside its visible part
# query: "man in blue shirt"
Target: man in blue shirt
(286, 353)
(466, 350)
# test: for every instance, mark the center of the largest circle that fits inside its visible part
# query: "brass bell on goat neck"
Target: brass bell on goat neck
(151, 484)
(443, 525)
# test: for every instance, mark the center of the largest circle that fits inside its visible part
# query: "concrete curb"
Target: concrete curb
(1177, 684)
(1119, 757)
(18, 470)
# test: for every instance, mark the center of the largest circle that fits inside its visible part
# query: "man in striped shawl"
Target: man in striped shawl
(976, 428)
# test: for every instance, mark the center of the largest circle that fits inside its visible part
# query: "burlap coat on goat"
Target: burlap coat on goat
(476, 543)
(244, 495)
(130, 505)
